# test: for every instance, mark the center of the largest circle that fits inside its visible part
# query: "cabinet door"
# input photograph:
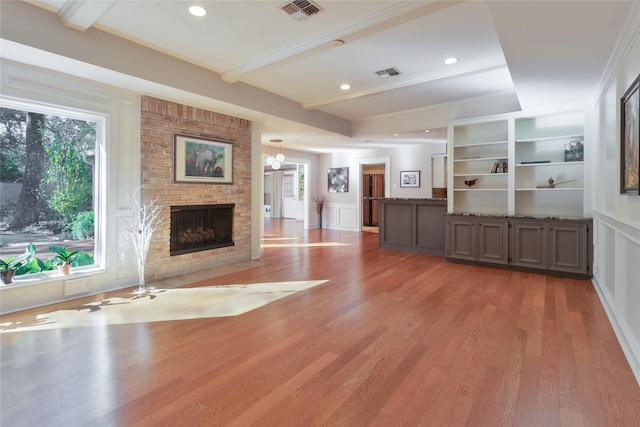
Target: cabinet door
(493, 241)
(461, 239)
(397, 220)
(430, 226)
(528, 244)
(568, 247)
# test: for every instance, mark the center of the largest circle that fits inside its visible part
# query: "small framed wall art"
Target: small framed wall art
(202, 160)
(338, 180)
(410, 179)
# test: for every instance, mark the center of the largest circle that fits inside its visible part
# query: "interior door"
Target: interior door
(373, 189)
(289, 195)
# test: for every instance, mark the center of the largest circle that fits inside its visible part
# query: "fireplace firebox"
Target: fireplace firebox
(200, 228)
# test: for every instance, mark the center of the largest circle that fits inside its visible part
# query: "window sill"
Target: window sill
(49, 276)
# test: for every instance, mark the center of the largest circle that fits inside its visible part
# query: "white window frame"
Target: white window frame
(99, 180)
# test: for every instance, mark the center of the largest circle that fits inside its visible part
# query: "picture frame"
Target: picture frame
(338, 180)
(630, 139)
(202, 160)
(574, 151)
(410, 179)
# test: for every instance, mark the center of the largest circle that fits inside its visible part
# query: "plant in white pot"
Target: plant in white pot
(145, 221)
(64, 258)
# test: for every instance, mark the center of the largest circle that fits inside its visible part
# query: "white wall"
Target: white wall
(616, 216)
(342, 210)
(20, 83)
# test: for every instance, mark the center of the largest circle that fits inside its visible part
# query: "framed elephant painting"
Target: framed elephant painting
(202, 160)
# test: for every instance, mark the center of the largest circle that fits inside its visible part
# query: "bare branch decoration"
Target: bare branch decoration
(320, 201)
(141, 227)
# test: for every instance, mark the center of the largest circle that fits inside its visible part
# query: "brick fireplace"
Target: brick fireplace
(161, 120)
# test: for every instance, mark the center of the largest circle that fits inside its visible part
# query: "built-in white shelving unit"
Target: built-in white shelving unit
(503, 164)
(480, 154)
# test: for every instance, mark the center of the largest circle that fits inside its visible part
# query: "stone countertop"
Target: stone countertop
(412, 199)
(540, 217)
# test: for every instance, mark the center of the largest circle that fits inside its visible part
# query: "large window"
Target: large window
(48, 176)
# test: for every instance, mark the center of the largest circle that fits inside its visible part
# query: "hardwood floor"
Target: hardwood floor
(392, 339)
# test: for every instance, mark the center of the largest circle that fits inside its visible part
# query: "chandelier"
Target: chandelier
(276, 161)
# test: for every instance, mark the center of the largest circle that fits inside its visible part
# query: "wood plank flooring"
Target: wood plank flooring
(392, 339)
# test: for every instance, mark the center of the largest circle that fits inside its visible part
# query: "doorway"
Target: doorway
(372, 189)
(285, 192)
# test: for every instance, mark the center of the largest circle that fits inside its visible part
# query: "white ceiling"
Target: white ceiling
(512, 54)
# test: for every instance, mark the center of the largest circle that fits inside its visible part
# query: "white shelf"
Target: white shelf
(483, 159)
(482, 174)
(481, 144)
(551, 189)
(550, 164)
(551, 138)
(479, 189)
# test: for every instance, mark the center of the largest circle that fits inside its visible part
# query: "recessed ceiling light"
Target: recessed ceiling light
(395, 134)
(450, 61)
(337, 43)
(427, 131)
(196, 10)
(345, 86)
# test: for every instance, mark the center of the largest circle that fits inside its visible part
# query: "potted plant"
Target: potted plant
(9, 266)
(65, 258)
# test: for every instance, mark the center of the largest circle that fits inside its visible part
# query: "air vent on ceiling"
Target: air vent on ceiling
(301, 9)
(389, 72)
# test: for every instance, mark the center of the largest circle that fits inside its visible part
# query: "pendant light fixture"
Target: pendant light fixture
(276, 161)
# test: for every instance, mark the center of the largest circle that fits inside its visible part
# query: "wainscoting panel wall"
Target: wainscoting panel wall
(340, 216)
(616, 216)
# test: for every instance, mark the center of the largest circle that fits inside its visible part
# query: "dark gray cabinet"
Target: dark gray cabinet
(554, 246)
(484, 240)
(568, 247)
(528, 244)
(493, 241)
(416, 225)
(461, 239)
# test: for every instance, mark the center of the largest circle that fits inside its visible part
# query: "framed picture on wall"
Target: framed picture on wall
(630, 139)
(338, 180)
(410, 179)
(202, 160)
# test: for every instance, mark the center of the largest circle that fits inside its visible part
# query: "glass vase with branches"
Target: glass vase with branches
(145, 221)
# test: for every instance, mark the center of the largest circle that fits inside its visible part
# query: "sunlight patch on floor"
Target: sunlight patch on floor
(279, 238)
(301, 245)
(161, 305)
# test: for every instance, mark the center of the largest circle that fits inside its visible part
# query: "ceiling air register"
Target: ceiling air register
(301, 9)
(389, 72)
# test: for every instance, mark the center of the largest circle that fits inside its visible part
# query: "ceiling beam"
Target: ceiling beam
(82, 14)
(395, 14)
